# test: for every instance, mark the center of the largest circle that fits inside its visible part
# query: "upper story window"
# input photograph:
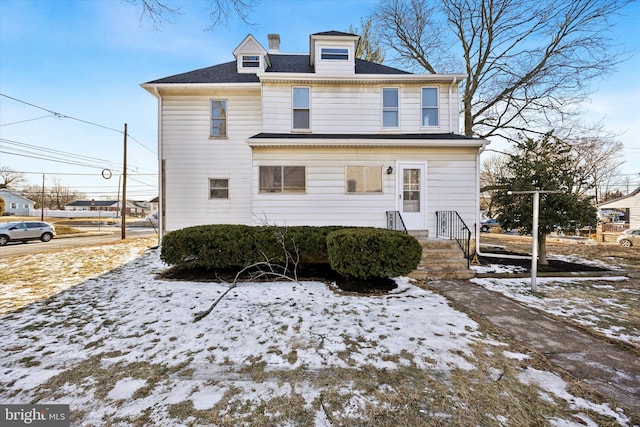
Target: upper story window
(250, 61)
(429, 106)
(301, 108)
(282, 179)
(364, 179)
(390, 107)
(334, 53)
(218, 127)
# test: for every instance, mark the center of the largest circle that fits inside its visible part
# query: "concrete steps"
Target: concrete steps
(441, 259)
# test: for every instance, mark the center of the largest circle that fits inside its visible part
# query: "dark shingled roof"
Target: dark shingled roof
(334, 33)
(280, 63)
(98, 203)
(361, 136)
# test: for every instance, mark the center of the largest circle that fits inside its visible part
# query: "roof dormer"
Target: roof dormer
(333, 52)
(251, 57)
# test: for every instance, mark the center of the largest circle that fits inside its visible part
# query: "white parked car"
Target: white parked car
(629, 238)
(23, 231)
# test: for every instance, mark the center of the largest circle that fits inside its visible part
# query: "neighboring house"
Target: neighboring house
(15, 203)
(312, 139)
(133, 208)
(154, 206)
(630, 204)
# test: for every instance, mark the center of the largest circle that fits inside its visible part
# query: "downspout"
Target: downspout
(477, 232)
(455, 81)
(161, 225)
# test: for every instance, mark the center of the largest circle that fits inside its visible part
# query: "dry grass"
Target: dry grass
(29, 278)
(491, 393)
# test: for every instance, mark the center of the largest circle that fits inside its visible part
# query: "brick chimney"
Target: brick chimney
(274, 43)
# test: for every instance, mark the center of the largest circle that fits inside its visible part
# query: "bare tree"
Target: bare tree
(160, 12)
(597, 161)
(491, 170)
(56, 195)
(10, 179)
(527, 63)
(59, 195)
(369, 47)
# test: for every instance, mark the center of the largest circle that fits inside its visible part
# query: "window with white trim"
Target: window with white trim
(282, 179)
(429, 106)
(390, 107)
(250, 61)
(363, 179)
(218, 126)
(218, 188)
(301, 108)
(339, 54)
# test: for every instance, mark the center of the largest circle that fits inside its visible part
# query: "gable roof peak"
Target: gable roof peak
(249, 44)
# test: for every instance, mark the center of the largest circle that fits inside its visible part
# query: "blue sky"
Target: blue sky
(85, 60)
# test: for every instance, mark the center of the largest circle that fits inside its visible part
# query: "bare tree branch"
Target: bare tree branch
(159, 12)
(527, 63)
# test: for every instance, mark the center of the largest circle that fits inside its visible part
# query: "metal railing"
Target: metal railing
(395, 222)
(449, 224)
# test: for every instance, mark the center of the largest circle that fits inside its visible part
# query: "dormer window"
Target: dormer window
(250, 61)
(334, 53)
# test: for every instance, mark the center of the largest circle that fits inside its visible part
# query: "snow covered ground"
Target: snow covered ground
(121, 348)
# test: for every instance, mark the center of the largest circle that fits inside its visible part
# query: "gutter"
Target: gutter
(161, 225)
(455, 81)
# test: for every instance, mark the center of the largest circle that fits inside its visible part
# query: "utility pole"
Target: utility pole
(42, 204)
(123, 214)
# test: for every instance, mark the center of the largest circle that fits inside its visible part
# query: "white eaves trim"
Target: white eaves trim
(359, 78)
(154, 88)
(365, 143)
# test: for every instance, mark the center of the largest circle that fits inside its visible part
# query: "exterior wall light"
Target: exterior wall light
(389, 170)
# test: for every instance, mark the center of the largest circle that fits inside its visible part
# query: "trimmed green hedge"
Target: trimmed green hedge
(359, 253)
(229, 246)
(373, 252)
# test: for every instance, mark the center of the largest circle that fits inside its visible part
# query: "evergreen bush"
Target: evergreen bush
(366, 253)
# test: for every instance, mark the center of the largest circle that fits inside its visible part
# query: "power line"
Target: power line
(64, 116)
(54, 152)
(34, 151)
(27, 120)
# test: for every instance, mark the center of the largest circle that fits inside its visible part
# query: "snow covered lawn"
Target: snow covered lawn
(121, 348)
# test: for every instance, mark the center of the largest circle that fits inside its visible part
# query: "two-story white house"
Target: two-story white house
(312, 139)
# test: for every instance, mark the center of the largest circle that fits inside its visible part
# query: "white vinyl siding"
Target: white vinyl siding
(191, 158)
(356, 109)
(450, 185)
(334, 59)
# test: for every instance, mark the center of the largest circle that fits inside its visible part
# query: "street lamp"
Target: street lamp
(534, 231)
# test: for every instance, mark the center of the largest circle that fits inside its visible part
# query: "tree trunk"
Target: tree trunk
(542, 249)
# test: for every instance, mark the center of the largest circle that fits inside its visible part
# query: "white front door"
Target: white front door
(411, 194)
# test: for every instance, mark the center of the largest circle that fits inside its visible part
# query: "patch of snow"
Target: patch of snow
(556, 385)
(125, 388)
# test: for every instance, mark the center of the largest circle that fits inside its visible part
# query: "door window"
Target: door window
(411, 190)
